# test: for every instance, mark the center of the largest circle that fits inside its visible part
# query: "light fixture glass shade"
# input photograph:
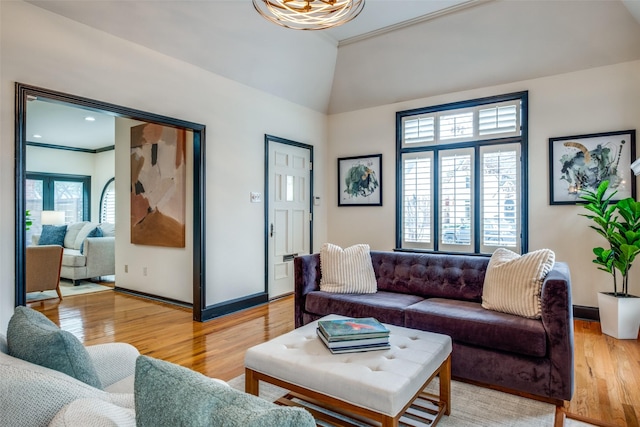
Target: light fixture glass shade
(52, 218)
(309, 14)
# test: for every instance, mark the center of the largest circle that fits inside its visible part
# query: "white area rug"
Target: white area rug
(67, 289)
(471, 406)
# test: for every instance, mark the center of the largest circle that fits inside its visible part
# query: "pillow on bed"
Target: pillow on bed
(513, 282)
(347, 271)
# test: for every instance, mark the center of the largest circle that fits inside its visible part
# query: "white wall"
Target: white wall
(590, 101)
(168, 270)
(63, 55)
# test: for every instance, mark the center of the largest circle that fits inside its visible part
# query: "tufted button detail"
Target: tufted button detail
(390, 357)
(414, 338)
(402, 346)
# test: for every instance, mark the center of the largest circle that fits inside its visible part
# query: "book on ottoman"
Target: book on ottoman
(351, 335)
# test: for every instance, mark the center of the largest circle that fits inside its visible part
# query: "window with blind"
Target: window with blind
(108, 202)
(461, 180)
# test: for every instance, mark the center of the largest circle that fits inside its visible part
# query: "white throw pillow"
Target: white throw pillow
(513, 282)
(347, 271)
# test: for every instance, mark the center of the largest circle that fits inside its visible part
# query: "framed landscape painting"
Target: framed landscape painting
(582, 162)
(360, 181)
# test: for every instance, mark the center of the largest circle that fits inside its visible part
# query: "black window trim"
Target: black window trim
(47, 199)
(523, 96)
(104, 190)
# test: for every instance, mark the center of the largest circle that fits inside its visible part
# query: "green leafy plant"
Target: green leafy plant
(27, 219)
(619, 224)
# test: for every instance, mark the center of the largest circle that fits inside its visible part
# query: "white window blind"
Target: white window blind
(456, 126)
(417, 199)
(500, 196)
(498, 119)
(419, 130)
(455, 197)
(108, 204)
(494, 120)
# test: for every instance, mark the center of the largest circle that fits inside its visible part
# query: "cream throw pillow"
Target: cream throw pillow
(513, 282)
(347, 271)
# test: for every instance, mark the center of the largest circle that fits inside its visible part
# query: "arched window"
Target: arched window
(108, 202)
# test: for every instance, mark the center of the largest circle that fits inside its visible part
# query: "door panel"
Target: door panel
(288, 213)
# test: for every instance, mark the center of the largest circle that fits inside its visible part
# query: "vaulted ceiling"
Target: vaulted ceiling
(432, 47)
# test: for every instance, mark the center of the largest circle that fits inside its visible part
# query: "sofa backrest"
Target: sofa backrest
(431, 275)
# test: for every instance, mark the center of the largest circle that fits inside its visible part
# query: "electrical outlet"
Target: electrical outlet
(144, 271)
(126, 268)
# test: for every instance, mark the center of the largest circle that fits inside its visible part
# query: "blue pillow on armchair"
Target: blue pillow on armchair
(52, 235)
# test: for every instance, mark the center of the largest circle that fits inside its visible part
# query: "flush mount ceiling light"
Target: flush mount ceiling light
(309, 14)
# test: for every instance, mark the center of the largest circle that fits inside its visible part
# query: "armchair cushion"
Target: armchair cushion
(170, 395)
(52, 235)
(31, 336)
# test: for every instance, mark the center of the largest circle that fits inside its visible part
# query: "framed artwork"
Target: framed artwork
(582, 162)
(360, 181)
(158, 185)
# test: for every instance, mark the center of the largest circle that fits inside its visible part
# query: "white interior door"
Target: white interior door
(289, 215)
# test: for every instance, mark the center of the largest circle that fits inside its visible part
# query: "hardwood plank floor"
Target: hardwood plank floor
(607, 371)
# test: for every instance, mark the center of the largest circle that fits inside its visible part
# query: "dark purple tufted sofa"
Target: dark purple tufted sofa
(443, 293)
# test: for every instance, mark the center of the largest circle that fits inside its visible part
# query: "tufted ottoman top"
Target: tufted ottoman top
(383, 381)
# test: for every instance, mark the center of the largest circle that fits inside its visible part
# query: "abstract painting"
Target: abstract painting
(360, 181)
(158, 188)
(582, 162)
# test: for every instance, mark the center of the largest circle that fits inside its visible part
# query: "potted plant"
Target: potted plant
(619, 224)
(27, 221)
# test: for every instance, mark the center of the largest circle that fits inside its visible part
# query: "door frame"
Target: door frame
(268, 139)
(23, 92)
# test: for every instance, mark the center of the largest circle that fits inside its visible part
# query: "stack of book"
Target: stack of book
(353, 335)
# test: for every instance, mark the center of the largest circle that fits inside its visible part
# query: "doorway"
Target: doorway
(24, 94)
(288, 210)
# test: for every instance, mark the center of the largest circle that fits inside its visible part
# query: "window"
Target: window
(461, 177)
(108, 202)
(57, 192)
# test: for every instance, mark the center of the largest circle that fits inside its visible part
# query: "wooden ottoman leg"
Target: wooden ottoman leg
(445, 384)
(250, 382)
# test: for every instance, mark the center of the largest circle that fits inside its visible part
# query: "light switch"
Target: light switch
(256, 197)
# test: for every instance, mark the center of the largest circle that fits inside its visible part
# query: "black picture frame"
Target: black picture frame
(582, 162)
(360, 180)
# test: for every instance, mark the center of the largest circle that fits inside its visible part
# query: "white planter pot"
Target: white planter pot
(619, 316)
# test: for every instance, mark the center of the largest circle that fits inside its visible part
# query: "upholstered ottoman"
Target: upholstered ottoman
(383, 386)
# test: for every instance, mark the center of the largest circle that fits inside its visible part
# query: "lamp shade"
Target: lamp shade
(52, 218)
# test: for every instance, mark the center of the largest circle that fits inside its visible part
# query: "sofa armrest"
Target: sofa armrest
(557, 319)
(113, 361)
(307, 279)
(101, 255)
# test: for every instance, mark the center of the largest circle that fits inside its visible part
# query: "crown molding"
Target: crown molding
(420, 19)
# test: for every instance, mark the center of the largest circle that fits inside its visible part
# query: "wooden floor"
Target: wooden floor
(607, 371)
